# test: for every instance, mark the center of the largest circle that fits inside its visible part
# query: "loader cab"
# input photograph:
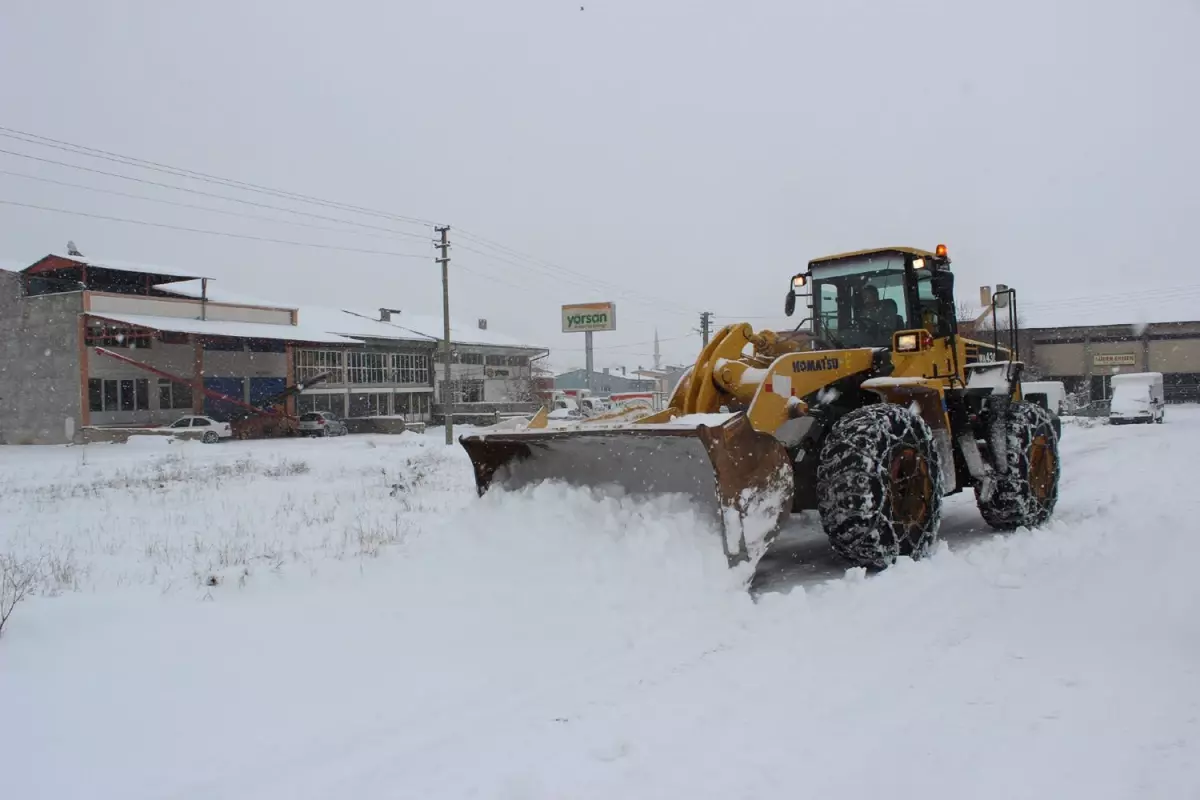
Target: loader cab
(861, 299)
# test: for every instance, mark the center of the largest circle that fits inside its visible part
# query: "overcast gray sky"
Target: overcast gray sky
(690, 155)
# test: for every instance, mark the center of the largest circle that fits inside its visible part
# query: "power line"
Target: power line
(203, 193)
(176, 203)
(581, 282)
(514, 253)
(93, 152)
(212, 233)
(630, 344)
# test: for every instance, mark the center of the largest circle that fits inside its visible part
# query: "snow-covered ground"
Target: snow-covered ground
(345, 618)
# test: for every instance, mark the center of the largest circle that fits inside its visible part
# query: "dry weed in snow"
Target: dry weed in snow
(17, 581)
(191, 515)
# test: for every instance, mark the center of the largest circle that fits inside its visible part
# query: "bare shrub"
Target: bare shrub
(287, 467)
(17, 581)
(374, 535)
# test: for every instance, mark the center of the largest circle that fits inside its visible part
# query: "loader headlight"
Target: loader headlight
(908, 343)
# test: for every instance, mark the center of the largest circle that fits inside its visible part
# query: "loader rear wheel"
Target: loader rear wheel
(1026, 488)
(879, 486)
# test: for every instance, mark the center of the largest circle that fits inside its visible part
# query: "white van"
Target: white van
(1137, 397)
(1050, 395)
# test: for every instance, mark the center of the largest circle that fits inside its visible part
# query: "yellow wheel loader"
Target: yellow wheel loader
(870, 412)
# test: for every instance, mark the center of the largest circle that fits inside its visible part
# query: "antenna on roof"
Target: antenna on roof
(72, 250)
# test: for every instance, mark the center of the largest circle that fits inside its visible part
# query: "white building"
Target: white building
(95, 342)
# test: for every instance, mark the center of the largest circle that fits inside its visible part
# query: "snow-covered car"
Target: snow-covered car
(206, 429)
(321, 423)
(1137, 397)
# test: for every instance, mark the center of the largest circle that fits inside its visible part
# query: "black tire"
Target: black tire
(1026, 488)
(879, 486)
(210, 437)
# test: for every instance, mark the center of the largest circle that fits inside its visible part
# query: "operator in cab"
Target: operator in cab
(877, 317)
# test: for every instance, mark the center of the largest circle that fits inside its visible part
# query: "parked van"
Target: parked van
(1137, 397)
(1050, 395)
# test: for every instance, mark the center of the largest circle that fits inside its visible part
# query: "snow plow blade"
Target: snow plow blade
(740, 478)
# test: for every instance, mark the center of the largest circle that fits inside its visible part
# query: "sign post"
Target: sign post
(589, 318)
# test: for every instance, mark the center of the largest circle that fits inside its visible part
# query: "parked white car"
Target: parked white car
(206, 429)
(1137, 397)
(321, 423)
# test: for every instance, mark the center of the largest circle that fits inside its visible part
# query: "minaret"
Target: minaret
(657, 356)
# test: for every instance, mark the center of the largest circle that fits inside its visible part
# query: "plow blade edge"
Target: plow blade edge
(740, 478)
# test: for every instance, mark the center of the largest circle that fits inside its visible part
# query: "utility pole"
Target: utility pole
(447, 390)
(588, 362)
(705, 324)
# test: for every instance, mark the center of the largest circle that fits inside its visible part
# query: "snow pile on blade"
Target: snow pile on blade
(734, 475)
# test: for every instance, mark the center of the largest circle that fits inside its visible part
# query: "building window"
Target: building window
(118, 395)
(333, 403)
(311, 363)
(494, 361)
(110, 396)
(470, 358)
(466, 390)
(170, 337)
(173, 395)
(266, 346)
(369, 404)
(413, 406)
(224, 345)
(127, 396)
(367, 367)
(516, 361)
(105, 335)
(411, 368)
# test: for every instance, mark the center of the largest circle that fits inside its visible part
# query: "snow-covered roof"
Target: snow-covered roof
(404, 325)
(242, 330)
(129, 266)
(1107, 310)
(194, 289)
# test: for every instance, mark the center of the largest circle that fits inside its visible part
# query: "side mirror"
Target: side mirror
(798, 284)
(942, 283)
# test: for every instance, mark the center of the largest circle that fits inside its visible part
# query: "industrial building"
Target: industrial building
(1085, 358)
(88, 342)
(602, 383)
(1084, 342)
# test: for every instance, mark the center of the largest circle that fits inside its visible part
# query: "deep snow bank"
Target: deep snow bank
(555, 644)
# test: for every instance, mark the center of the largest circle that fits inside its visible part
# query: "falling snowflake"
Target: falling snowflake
(827, 396)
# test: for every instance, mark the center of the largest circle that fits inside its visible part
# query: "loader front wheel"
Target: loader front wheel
(879, 486)
(1026, 486)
